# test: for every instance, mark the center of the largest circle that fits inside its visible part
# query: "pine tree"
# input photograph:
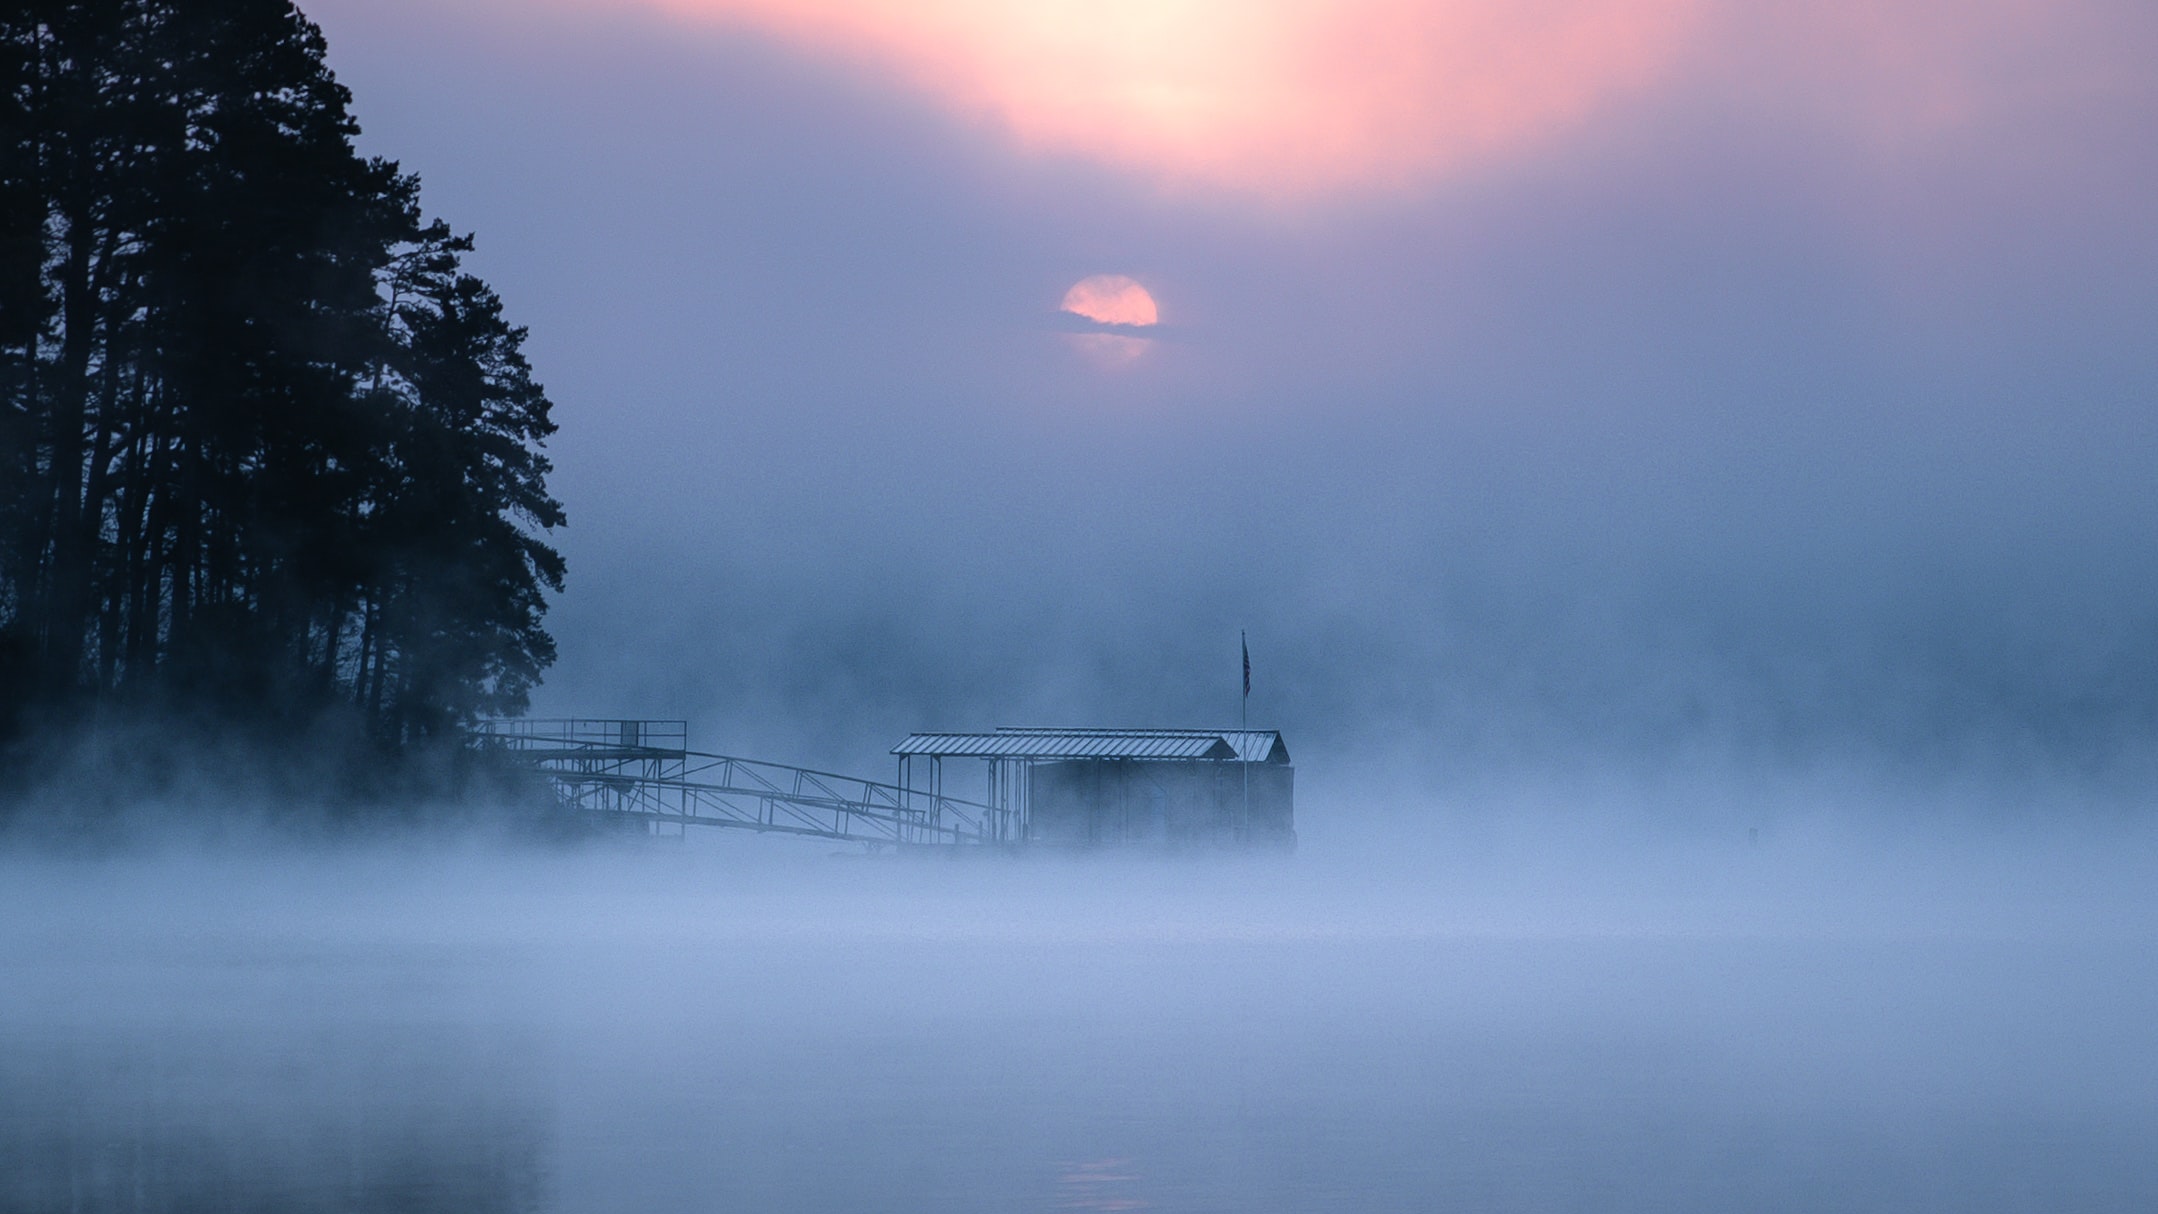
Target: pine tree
(467, 575)
(265, 447)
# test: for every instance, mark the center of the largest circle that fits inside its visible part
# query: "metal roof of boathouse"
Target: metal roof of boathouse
(1008, 742)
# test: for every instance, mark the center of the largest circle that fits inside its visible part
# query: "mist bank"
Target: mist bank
(1560, 864)
(142, 781)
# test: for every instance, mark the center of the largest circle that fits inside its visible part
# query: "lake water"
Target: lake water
(1654, 1028)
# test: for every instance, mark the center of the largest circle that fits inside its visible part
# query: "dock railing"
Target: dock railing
(642, 771)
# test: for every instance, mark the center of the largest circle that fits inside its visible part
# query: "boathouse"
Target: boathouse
(1146, 788)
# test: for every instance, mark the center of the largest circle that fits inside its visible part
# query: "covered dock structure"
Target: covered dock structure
(1159, 788)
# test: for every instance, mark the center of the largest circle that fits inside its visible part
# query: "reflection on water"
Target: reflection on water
(1098, 1185)
(179, 1104)
(189, 1126)
(660, 1036)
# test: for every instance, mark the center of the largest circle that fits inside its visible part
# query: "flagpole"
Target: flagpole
(1243, 642)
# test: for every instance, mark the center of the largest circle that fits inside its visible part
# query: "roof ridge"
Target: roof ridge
(1149, 731)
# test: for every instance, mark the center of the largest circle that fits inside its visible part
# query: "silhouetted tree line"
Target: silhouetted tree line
(265, 447)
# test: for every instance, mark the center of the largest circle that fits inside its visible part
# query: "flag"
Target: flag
(1240, 639)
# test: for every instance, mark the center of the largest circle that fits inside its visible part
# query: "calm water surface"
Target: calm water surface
(682, 1031)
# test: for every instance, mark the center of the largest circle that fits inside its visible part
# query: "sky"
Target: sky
(1584, 390)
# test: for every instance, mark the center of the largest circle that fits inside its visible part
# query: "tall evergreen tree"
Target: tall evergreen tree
(464, 592)
(265, 446)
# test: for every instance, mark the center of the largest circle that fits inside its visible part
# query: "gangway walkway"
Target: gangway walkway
(644, 772)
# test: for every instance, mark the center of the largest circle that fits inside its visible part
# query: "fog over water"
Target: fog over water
(1552, 1016)
(1700, 563)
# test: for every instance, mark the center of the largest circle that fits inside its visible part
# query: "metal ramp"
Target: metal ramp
(643, 772)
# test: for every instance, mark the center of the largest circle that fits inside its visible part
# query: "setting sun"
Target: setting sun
(1122, 308)
(1111, 299)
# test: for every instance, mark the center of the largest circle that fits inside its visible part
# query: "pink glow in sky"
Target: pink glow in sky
(1277, 96)
(1315, 99)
